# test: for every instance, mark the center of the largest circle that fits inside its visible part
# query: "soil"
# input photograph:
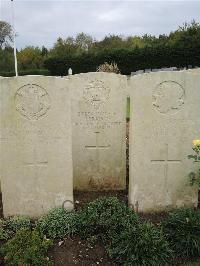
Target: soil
(78, 252)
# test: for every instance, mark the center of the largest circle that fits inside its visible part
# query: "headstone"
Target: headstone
(164, 121)
(133, 73)
(194, 70)
(36, 153)
(139, 72)
(166, 69)
(99, 130)
(69, 71)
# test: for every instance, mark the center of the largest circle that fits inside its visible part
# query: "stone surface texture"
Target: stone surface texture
(165, 108)
(36, 148)
(194, 70)
(99, 130)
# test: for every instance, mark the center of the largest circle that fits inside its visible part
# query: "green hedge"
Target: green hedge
(127, 60)
(44, 72)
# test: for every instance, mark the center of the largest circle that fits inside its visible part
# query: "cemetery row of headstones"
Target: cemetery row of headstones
(190, 67)
(60, 134)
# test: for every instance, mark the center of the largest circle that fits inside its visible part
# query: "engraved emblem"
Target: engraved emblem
(96, 93)
(168, 97)
(32, 101)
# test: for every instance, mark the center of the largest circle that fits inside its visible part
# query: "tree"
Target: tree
(110, 42)
(63, 47)
(5, 34)
(30, 58)
(84, 41)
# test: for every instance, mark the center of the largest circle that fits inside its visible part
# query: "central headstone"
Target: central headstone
(36, 153)
(99, 130)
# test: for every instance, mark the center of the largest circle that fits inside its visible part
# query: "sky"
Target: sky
(42, 22)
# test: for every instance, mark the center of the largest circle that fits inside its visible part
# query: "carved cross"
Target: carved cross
(35, 163)
(97, 148)
(166, 161)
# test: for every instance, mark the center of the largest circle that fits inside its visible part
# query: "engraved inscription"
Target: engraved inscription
(96, 93)
(168, 97)
(97, 119)
(32, 101)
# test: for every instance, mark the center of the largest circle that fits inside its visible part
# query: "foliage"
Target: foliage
(128, 60)
(104, 217)
(27, 248)
(43, 72)
(70, 45)
(84, 54)
(141, 244)
(194, 263)
(6, 60)
(58, 223)
(11, 225)
(182, 230)
(5, 33)
(195, 177)
(30, 58)
(112, 68)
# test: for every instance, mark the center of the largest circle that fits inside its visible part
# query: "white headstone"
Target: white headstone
(69, 71)
(99, 130)
(164, 121)
(36, 153)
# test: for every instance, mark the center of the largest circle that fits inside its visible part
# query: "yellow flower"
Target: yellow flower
(196, 142)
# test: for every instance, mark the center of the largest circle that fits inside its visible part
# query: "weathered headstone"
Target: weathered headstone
(164, 121)
(36, 153)
(194, 70)
(99, 130)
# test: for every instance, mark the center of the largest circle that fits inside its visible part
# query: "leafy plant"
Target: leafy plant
(195, 177)
(106, 67)
(141, 244)
(27, 248)
(182, 230)
(104, 217)
(10, 226)
(59, 222)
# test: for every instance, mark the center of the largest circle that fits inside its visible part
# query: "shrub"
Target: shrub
(106, 67)
(195, 177)
(26, 248)
(182, 230)
(44, 72)
(11, 225)
(142, 244)
(104, 217)
(59, 222)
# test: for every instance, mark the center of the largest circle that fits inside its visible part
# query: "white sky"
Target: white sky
(42, 22)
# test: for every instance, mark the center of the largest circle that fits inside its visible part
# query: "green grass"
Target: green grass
(194, 264)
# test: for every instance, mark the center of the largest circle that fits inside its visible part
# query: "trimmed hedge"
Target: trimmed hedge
(44, 72)
(126, 59)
